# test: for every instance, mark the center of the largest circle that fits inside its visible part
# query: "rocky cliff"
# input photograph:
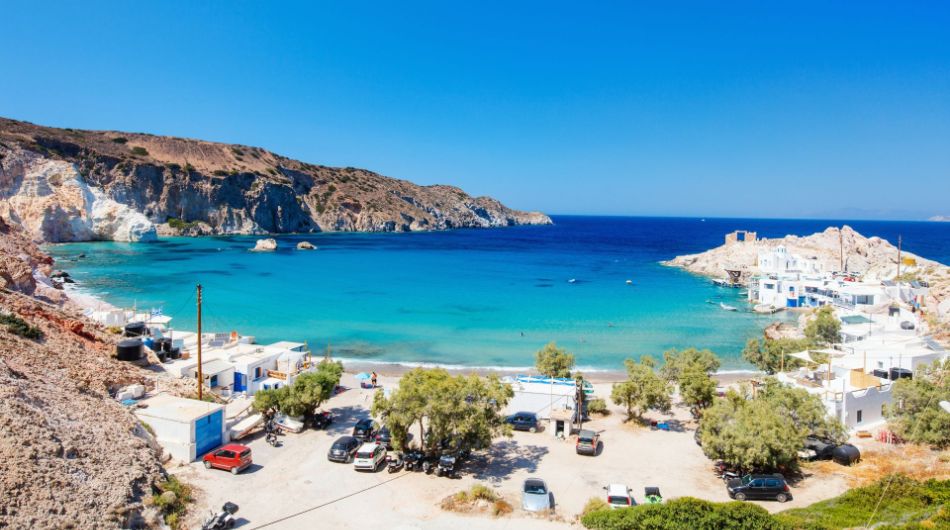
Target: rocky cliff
(71, 185)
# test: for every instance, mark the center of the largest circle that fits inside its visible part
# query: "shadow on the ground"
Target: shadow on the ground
(344, 418)
(504, 458)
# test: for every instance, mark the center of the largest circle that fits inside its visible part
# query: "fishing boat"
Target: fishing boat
(728, 307)
(767, 309)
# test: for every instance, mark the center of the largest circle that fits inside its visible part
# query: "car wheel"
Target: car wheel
(230, 523)
(235, 471)
(533, 429)
(781, 497)
(207, 465)
(740, 496)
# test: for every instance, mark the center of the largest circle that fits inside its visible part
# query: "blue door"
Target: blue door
(208, 433)
(239, 379)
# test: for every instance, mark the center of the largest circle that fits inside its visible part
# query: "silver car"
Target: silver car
(535, 496)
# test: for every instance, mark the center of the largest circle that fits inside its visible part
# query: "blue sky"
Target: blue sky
(815, 109)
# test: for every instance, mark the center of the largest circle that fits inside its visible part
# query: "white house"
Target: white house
(185, 428)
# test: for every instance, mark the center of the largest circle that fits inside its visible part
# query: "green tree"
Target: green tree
(824, 327)
(305, 395)
(766, 354)
(684, 512)
(465, 409)
(643, 390)
(676, 361)
(553, 361)
(768, 431)
(692, 369)
(915, 412)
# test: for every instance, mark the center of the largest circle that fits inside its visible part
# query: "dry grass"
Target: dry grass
(915, 461)
(478, 499)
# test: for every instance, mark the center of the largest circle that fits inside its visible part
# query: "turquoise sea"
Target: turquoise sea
(462, 297)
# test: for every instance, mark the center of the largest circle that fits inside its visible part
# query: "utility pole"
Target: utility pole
(840, 251)
(200, 375)
(898, 258)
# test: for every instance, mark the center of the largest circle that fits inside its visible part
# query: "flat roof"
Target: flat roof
(286, 345)
(215, 367)
(169, 407)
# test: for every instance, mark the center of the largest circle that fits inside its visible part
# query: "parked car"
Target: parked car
(365, 429)
(369, 457)
(523, 421)
(535, 496)
(587, 442)
(618, 496)
(343, 449)
(385, 438)
(760, 487)
(231, 457)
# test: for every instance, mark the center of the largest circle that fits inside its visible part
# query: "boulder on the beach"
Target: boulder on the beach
(265, 245)
(306, 245)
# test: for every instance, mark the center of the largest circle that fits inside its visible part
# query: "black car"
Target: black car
(343, 449)
(524, 421)
(364, 430)
(385, 438)
(759, 487)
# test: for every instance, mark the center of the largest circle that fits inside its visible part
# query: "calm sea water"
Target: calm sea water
(463, 297)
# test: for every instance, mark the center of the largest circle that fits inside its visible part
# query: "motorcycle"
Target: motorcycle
(413, 460)
(322, 420)
(447, 466)
(394, 462)
(271, 438)
(429, 464)
(222, 519)
(725, 472)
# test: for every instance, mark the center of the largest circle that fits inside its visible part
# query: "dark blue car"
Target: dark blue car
(524, 421)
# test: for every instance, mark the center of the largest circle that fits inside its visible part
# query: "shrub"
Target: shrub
(902, 500)
(120, 140)
(173, 507)
(220, 173)
(501, 507)
(139, 151)
(598, 406)
(180, 224)
(18, 326)
(685, 512)
(595, 504)
(115, 330)
(483, 492)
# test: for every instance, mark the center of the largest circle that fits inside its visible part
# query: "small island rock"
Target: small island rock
(264, 245)
(306, 245)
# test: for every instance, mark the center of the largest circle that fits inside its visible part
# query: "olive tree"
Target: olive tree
(769, 355)
(553, 361)
(691, 369)
(824, 327)
(302, 398)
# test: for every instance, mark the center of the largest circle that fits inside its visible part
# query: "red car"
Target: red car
(231, 457)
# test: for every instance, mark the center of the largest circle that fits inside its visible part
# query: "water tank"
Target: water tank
(129, 350)
(881, 373)
(174, 353)
(135, 329)
(846, 454)
(900, 373)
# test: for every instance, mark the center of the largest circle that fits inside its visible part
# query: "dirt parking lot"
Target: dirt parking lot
(295, 486)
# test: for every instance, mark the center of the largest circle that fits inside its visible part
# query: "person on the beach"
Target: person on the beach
(373, 379)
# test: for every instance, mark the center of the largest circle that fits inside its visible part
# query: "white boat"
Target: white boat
(629, 282)
(728, 307)
(572, 280)
(767, 309)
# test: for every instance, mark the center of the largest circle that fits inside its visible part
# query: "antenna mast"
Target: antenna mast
(200, 375)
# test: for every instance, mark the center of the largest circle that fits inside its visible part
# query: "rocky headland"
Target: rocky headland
(837, 249)
(74, 185)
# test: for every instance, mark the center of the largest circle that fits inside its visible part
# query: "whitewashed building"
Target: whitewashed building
(185, 428)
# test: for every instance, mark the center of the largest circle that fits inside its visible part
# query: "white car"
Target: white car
(369, 457)
(618, 496)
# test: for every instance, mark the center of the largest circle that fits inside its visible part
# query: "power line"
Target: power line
(338, 499)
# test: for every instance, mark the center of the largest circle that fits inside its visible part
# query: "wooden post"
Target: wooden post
(200, 375)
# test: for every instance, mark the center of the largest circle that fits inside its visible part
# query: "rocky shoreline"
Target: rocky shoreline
(71, 185)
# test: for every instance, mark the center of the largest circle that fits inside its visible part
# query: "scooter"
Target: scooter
(724, 472)
(222, 519)
(394, 462)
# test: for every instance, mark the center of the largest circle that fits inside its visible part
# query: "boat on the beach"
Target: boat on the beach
(767, 309)
(728, 307)
(544, 380)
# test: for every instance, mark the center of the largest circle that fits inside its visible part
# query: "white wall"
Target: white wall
(869, 401)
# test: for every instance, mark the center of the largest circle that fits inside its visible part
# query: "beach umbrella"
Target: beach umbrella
(363, 375)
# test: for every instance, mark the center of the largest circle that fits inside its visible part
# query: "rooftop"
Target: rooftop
(169, 407)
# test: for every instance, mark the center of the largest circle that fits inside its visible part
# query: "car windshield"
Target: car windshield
(246, 452)
(747, 479)
(618, 500)
(364, 454)
(535, 488)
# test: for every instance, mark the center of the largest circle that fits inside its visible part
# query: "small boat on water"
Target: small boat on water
(572, 280)
(728, 307)
(767, 309)
(629, 282)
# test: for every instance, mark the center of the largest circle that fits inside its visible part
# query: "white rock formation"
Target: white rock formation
(52, 202)
(306, 245)
(265, 245)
